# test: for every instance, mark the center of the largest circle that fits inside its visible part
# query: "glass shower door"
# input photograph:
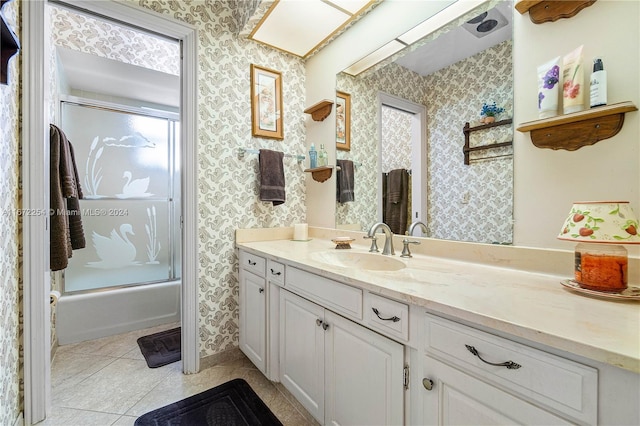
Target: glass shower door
(126, 170)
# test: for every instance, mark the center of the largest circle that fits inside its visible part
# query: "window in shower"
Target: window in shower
(128, 170)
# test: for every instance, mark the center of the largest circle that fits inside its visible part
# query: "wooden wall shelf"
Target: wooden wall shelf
(320, 111)
(573, 131)
(551, 10)
(468, 129)
(320, 174)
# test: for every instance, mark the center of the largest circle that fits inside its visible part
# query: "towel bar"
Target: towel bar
(243, 151)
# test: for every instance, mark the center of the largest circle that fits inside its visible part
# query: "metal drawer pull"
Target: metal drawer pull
(251, 263)
(277, 274)
(509, 364)
(427, 383)
(393, 318)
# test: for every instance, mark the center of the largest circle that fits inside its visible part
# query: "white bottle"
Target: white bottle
(598, 84)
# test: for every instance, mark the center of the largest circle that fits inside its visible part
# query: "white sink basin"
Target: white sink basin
(366, 261)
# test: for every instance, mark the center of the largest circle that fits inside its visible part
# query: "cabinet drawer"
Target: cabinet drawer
(253, 263)
(333, 295)
(387, 316)
(275, 272)
(561, 384)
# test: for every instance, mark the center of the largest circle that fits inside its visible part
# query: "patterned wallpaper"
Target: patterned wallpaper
(453, 96)
(456, 96)
(97, 37)
(396, 139)
(394, 80)
(10, 282)
(228, 185)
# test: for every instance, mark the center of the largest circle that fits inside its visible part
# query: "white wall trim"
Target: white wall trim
(35, 166)
(35, 198)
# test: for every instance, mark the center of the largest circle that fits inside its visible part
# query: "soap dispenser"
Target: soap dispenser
(598, 84)
(313, 156)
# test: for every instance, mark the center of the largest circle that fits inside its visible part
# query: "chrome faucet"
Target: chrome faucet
(414, 225)
(388, 237)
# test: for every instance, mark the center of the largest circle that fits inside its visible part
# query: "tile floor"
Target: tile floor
(107, 382)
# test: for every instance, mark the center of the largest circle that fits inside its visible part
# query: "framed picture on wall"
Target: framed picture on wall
(343, 121)
(266, 103)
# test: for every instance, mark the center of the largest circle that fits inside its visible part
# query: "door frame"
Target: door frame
(35, 187)
(418, 153)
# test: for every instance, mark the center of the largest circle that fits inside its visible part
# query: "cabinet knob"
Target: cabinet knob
(261, 290)
(318, 322)
(325, 325)
(427, 383)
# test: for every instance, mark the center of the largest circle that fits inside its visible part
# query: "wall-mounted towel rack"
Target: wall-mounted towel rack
(408, 171)
(356, 164)
(243, 151)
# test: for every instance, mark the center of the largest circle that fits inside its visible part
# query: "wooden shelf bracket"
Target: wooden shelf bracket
(320, 110)
(573, 131)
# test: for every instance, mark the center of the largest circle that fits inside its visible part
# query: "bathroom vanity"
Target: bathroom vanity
(362, 338)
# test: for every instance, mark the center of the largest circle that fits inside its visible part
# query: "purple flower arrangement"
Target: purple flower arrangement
(549, 81)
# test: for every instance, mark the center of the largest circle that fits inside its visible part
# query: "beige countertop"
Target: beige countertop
(532, 306)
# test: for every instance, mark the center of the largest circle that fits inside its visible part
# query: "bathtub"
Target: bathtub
(98, 314)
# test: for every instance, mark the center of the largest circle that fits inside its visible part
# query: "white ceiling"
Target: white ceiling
(300, 27)
(92, 73)
(456, 45)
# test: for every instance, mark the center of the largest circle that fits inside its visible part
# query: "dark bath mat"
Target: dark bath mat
(232, 403)
(161, 348)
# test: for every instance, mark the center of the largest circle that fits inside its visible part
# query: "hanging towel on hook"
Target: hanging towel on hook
(271, 177)
(397, 198)
(345, 181)
(66, 232)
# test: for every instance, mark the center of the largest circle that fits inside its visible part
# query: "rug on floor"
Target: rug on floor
(233, 403)
(161, 348)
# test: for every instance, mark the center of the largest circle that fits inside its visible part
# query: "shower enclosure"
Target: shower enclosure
(128, 171)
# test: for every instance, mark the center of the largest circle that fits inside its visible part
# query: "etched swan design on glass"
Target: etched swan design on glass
(115, 251)
(134, 188)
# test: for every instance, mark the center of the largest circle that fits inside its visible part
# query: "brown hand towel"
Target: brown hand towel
(345, 181)
(271, 177)
(395, 214)
(64, 187)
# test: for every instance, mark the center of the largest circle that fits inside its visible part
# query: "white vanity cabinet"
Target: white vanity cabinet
(253, 309)
(341, 372)
(473, 377)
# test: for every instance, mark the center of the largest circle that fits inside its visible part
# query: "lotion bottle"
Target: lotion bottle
(313, 156)
(598, 84)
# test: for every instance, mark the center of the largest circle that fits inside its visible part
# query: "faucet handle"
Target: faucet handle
(374, 243)
(405, 250)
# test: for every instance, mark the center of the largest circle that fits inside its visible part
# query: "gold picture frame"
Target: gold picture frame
(266, 103)
(343, 121)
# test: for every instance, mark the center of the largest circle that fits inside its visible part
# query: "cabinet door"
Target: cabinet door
(460, 399)
(364, 375)
(253, 320)
(302, 351)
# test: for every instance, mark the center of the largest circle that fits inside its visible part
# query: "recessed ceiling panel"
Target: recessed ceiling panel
(298, 26)
(351, 6)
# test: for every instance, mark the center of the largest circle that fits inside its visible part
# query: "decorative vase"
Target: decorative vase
(489, 119)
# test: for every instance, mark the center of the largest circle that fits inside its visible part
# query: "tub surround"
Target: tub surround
(510, 290)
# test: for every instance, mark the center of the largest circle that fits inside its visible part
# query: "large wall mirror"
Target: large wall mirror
(407, 120)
